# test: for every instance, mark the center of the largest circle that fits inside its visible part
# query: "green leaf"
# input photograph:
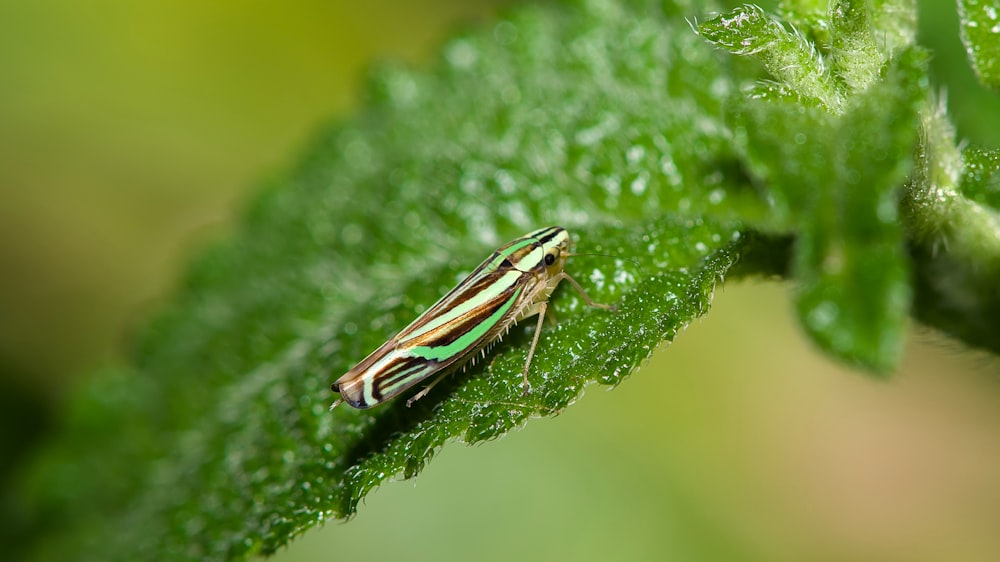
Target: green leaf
(954, 240)
(606, 117)
(786, 55)
(980, 24)
(849, 257)
(896, 24)
(854, 293)
(832, 160)
(217, 442)
(895, 20)
(981, 176)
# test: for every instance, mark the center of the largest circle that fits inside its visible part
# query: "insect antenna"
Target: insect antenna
(633, 260)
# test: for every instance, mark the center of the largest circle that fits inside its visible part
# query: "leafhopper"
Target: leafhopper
(512, 284)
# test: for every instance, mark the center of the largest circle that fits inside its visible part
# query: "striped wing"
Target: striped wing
(475, 317)
(510, 257)
(472, 315)
(464, 321)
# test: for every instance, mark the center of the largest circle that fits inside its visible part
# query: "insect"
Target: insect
(512, 284)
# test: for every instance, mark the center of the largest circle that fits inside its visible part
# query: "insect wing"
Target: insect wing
(474, 314)
(476, 317)
(463, 321)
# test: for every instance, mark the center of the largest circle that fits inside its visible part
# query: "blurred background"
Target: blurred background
(132, 133)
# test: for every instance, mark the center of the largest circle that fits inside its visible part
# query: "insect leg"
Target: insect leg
(534, 341)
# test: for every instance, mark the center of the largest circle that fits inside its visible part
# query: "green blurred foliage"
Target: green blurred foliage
(129, 135)
(128, 131)
(131, 132)
(831, 138)
(980, 21)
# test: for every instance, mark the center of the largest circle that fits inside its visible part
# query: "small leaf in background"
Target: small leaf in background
(788, 56)
(896, 24)
(954, 240)
(855, 59)
(832, 171)
(981, 176)
(980, 24)
(853, 295)
(955, 236)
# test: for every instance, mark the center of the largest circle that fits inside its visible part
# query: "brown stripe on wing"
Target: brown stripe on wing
(367, 362)
(454, 298)
(457, 295)
(517, 257)
(400, 368)
(461, 325)
(499, 262)
(452, 331)
(548, 234)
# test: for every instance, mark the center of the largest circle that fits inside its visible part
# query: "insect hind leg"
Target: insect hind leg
(542, 306)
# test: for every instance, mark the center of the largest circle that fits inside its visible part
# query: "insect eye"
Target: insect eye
(550, 259)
